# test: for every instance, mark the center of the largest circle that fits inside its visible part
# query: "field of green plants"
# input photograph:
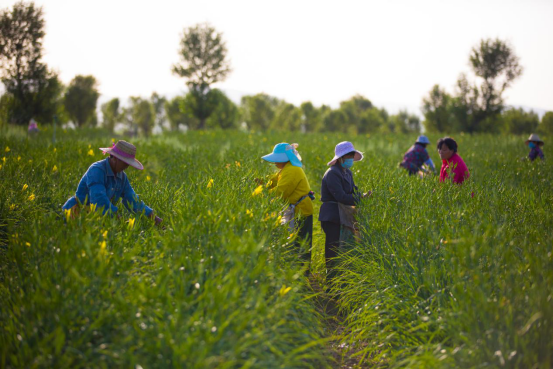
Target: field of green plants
(444, 275)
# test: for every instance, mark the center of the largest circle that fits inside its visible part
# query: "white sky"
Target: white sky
(392, 52)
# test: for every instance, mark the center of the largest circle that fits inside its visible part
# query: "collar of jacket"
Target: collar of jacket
(109, 171)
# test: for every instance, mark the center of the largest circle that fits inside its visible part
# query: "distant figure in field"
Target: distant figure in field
(339, 195)
(105, 182)
(417, 156)
(290, 183)
(534, 144)
(451, 161)
(33, 126)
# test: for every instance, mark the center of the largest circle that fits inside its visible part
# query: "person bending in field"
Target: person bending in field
(452, 163)
(105, 182)
(291, 184)
(534, 144)
(417, 156)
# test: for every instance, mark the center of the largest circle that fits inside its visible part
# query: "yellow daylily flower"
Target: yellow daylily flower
(55, 168)
(32, 197)
(27, 244)
(210, 183)
(284, 290)
(24, 187)
(257, 191)
(131, 223)
(90, 152)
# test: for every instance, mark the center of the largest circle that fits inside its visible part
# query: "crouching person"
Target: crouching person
(105, 182)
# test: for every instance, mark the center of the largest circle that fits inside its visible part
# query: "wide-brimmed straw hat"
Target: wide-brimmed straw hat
(124, 151)
(284, 152)
(534, 138)
(422, 140)
(344, 148)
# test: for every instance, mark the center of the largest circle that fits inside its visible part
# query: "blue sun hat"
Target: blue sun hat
(284, 152)
(422, 140)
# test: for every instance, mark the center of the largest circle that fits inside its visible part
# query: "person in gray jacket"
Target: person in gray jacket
(337, 187)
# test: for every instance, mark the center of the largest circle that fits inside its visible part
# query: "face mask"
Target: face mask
(531, 145)
(348, 163)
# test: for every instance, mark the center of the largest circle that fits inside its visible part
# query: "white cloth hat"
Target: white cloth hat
(423, 140)
(534, 137)
(344, 148)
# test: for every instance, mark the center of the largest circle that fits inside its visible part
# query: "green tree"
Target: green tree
(226, 113)
(478, 107)
(437, 110)
(355, 108)
(33, 89)
(175, 110)
(336, 121)
(517, 121)
(258, 111)
(158, 103)
(140, 114)
(80, 100)
(111, 114)
(311, 117)
(403, 122)
(203, 62)
(371, 120)
(546, 125)
(287, 117)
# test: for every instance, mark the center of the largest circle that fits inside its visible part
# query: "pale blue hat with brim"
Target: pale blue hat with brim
(422, 140)
(284, 152)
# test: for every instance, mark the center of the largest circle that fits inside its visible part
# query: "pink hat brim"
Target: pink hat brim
(132, 162)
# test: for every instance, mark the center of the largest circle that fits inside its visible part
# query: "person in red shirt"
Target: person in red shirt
(452, 163)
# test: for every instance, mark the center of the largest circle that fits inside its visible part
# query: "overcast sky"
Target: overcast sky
(392, 52)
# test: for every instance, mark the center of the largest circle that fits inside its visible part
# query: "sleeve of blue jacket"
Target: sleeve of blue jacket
(334, 184)
(97, 190)
(131, 201)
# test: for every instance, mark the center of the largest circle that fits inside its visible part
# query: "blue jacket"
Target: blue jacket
(102, 187)
(337, 186)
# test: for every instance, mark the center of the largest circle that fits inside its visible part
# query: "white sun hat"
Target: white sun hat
(344, 148)
(534, 137)
(423, 140)
(124, 151)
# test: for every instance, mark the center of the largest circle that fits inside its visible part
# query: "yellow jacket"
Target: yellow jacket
(291, 184)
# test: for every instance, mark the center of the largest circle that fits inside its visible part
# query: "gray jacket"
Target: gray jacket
(337, 186)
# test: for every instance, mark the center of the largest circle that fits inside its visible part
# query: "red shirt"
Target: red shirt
(457, 166)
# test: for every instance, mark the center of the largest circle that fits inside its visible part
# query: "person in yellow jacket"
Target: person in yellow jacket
(291, 184)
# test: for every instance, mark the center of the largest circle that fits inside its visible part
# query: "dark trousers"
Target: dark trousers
(305, 237)
(332, 243)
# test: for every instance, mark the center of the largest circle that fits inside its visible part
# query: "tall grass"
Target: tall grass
(219, 287)
(454, 276)
(444, 275)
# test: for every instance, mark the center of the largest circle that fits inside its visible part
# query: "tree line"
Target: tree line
(32, 90)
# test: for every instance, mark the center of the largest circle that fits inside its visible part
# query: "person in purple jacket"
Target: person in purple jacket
(337, 187)
(534, 143)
